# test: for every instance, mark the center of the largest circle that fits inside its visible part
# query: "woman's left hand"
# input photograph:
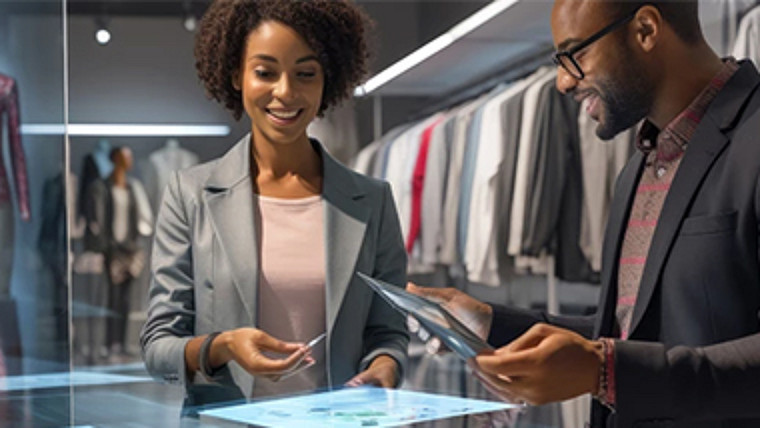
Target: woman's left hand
(381, 372)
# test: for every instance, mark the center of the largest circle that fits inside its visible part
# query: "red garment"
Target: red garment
(9, 107)
(418, 180)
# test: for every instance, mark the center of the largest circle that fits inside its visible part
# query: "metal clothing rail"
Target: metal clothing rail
(513, 70)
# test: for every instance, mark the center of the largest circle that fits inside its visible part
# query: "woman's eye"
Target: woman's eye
(307, 74)
(264, 74)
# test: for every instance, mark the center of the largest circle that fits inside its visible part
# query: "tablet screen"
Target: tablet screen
(434, 317)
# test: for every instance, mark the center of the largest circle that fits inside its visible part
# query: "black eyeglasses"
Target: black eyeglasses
(566, 60)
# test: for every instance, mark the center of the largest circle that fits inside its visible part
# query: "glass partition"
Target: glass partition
(34, 326)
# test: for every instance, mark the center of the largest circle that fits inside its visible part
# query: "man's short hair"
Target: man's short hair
(681, 15)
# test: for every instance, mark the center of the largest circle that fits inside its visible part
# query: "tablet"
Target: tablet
(351, 407)
(432, 316)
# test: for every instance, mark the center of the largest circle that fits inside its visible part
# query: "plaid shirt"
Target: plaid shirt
(664, 151)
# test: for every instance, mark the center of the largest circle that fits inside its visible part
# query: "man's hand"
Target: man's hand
(476, 315)
(544, 365)
(381, 372)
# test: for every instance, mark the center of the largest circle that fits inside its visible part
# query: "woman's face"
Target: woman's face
(281, 82)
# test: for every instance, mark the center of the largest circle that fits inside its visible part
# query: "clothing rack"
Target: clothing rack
(516, 69)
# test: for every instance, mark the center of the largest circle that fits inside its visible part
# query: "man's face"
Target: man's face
(616, 86)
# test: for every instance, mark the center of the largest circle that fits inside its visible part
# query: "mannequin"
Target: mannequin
(9, 112)
(97, 165)
(160, 166)
(10, 342)
(119, 215)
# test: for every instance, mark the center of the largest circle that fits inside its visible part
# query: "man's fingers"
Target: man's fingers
(505, 363)
(498, 387)
(440, 295)
(529, 339)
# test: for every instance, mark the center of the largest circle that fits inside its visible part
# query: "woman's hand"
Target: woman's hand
(246, 346)
(381, 372)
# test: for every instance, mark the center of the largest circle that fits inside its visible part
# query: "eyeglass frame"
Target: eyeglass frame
(569, 53)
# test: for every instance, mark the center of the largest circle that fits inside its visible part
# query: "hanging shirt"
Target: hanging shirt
(120, 225)
(747, 43)
(9, 110)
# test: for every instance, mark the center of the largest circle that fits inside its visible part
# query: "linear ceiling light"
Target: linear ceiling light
(436, 45)
(127, 130)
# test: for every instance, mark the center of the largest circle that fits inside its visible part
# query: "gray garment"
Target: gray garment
(542, 161)
(468, 174)
(159, 167)
(205, 272)
(449, 252)
(601, 162)
(433, 190)
(511, 110)
(7, 240)
(338, 130)
(554, 150)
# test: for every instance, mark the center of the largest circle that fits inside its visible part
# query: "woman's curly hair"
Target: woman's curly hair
(335, 29)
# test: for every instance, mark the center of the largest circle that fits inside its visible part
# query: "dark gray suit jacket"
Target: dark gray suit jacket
(693, 358)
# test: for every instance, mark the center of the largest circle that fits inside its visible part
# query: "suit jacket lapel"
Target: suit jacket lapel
(345, 225)
(613, 239)
(705, 146)
(229, 197)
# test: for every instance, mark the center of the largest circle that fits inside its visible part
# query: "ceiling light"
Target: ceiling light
(190, 23)
(102, 36)
(436, 45)
(126, 130)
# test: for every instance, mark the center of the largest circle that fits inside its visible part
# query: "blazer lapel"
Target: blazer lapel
(345, 225)
(229, 197)
(613, 239)
(708, 142)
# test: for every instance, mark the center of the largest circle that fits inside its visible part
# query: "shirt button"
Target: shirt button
(660, 172)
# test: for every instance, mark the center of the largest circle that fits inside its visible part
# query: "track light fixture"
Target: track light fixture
(102, 35)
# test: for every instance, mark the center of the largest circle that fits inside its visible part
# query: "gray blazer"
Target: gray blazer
(205, 273)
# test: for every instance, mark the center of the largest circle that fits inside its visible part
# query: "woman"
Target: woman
(258, 251)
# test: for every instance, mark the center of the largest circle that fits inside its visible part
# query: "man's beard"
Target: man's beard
(625, 101)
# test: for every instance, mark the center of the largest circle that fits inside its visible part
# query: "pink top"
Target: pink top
(291, 299)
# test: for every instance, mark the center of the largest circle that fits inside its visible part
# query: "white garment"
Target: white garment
(601, 162)
(401, 161)
(160, 166)
(144, 211)
(362, 163)
(747, 44)
(120, 213)
(480, 256)
(530, 106)
(720, 22)
(449, 253)
(337, 131)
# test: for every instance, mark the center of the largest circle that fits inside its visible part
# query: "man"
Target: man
(677, 331)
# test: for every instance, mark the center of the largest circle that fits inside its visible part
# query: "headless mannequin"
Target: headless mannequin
(9, 108)
(102, 158)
